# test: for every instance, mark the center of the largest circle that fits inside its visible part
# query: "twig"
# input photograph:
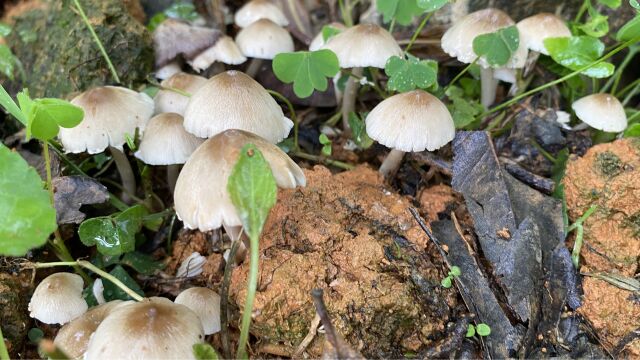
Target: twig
(330, 331)
(313, 330)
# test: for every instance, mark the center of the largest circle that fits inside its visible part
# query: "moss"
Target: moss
(633, 223)
(608, 163)
(61, 57)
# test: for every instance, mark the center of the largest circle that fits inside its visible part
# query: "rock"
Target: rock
(350, 236)
(61, 56)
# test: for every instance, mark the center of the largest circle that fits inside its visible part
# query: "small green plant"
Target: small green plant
(205, 352)
(326, 144)
(577, 51)
(481, 329)
(179, 10)
(577, 225)
(359, 131)
(453, 273)
(307, 70)
(406, 74)
(400, 11)
(497, 47)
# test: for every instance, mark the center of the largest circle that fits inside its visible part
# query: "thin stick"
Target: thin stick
(418, 30)
(97, 41)
(292, 113)
(330, 331)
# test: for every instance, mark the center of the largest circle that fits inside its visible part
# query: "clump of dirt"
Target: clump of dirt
(14, 319)
(349, 235)
(608, 176)
(437, 199)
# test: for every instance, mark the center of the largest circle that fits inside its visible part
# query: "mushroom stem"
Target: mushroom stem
(489, 86)
(173, 171)
(349, 97)
(224, 300)
(391, 163)
(126, 174)
(254, 67)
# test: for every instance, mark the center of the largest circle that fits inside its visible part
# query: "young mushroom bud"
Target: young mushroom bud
(259, 9)
(206, 304)
(58, 299)
(170, 101)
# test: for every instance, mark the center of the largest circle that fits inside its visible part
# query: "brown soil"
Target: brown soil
(608, 176)
(338, 233)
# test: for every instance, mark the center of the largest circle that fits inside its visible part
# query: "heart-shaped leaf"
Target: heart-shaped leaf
(402, 11)
(630, 30)
(113, 235)
(113, 292)
(409, 74)
(431, 5)
(308, 70)
(578, 51)
(497, 47)
(597, 25)
(27, 217)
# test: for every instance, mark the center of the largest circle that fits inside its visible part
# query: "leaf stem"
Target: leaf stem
(464, 71)
(614, 81)
(254, 252)
(4, 354)
(346, 13)
(392, 24)
(97, 41)
(224, 298)
(292, 113)
(634, 90)
(424, 21)
(323, 160)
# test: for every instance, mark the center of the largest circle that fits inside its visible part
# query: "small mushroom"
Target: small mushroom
(174, 37)
(259, 9)
(58, 299)
(168, 70)
(535, 29)
(411, 121)
(169, 101)
(601, 111)
(155, 328)
(225, 50)
(206, 304)
(263, 39)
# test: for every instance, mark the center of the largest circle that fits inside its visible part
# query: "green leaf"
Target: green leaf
(205, 352)
(113, 235)
(155, 21)
(7, 61)
(463, 109)
(26, 215)
(614, 4)
(35, 335)
(359, 131)
(471, 331)
(578, 51)
(253, 189)
(308, 70)
(406, 75)
(633, 130)
(455, 271)
(112, 292)
(431, 5)
(329, 31)
(402, 10)
(483, 329)
(142, 263)
(11, 107)
(598, 24)
(326, 142)
(182, 10)
(630, 30)
(635, 4)
(446, 282)
(48, 115)
(497, 47)
(5, 29)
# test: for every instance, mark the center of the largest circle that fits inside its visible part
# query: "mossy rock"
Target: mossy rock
(13, 314)
(60, 56)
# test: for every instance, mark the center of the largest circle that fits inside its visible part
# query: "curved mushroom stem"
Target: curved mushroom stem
(391, 163)
(489, 86)
(254, 67)
(349, 97)
(126, 174)
(173, 171)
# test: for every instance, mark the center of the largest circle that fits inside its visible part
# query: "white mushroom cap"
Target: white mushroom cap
(154, 328)
(318, 42)
(174, 37)
(166, 142)
(411, 121)
(457, 41)
(225, 50)
(233, 100)
(259, 9)
(264, 39)
(73, 338)
(534, 29)
(168, 70)
(601, 111)
(58, 299)
(110, 112)
(206, 304)
(363, 45)
(201, 197)
(170, 101)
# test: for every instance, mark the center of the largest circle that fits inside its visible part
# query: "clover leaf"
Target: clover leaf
(308, 70)
(578, 51)
(326, 144)
(402, 11)
(113, 235)
(463, 109)
(329, 31)
(411, 73)
(497, 47)
(598, 24)
(44, 117)
(431, 5)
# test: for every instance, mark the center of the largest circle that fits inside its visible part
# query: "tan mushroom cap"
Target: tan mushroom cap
(206, 304)
(166, 142)
(154, 328)
(411, 121)
(233, 100)
(601, 111)
(534, 29)
(201, 197)
(168, 101)
(225, 50)
(457, 41)
(363, 45)
(259, 9)
(264, 39)
(73, 338)
(318, 41)
(174, 37)
(168, 70)
(110, 112)
(58, 299)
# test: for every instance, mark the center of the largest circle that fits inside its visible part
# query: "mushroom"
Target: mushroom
(166, 142)
(364, 45)
(166, 71)
(155, 328)
(206, 304)
(318, 41)
(457, 41)
(73, 338)
(259, 9)
(535, 29)
(174, 37)
(601, 111)
(233, 100)
(110, 113)
(170, 101)
(263, 39)
(201, 198)
(225, 50)
(411, 121)
(58, 299)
